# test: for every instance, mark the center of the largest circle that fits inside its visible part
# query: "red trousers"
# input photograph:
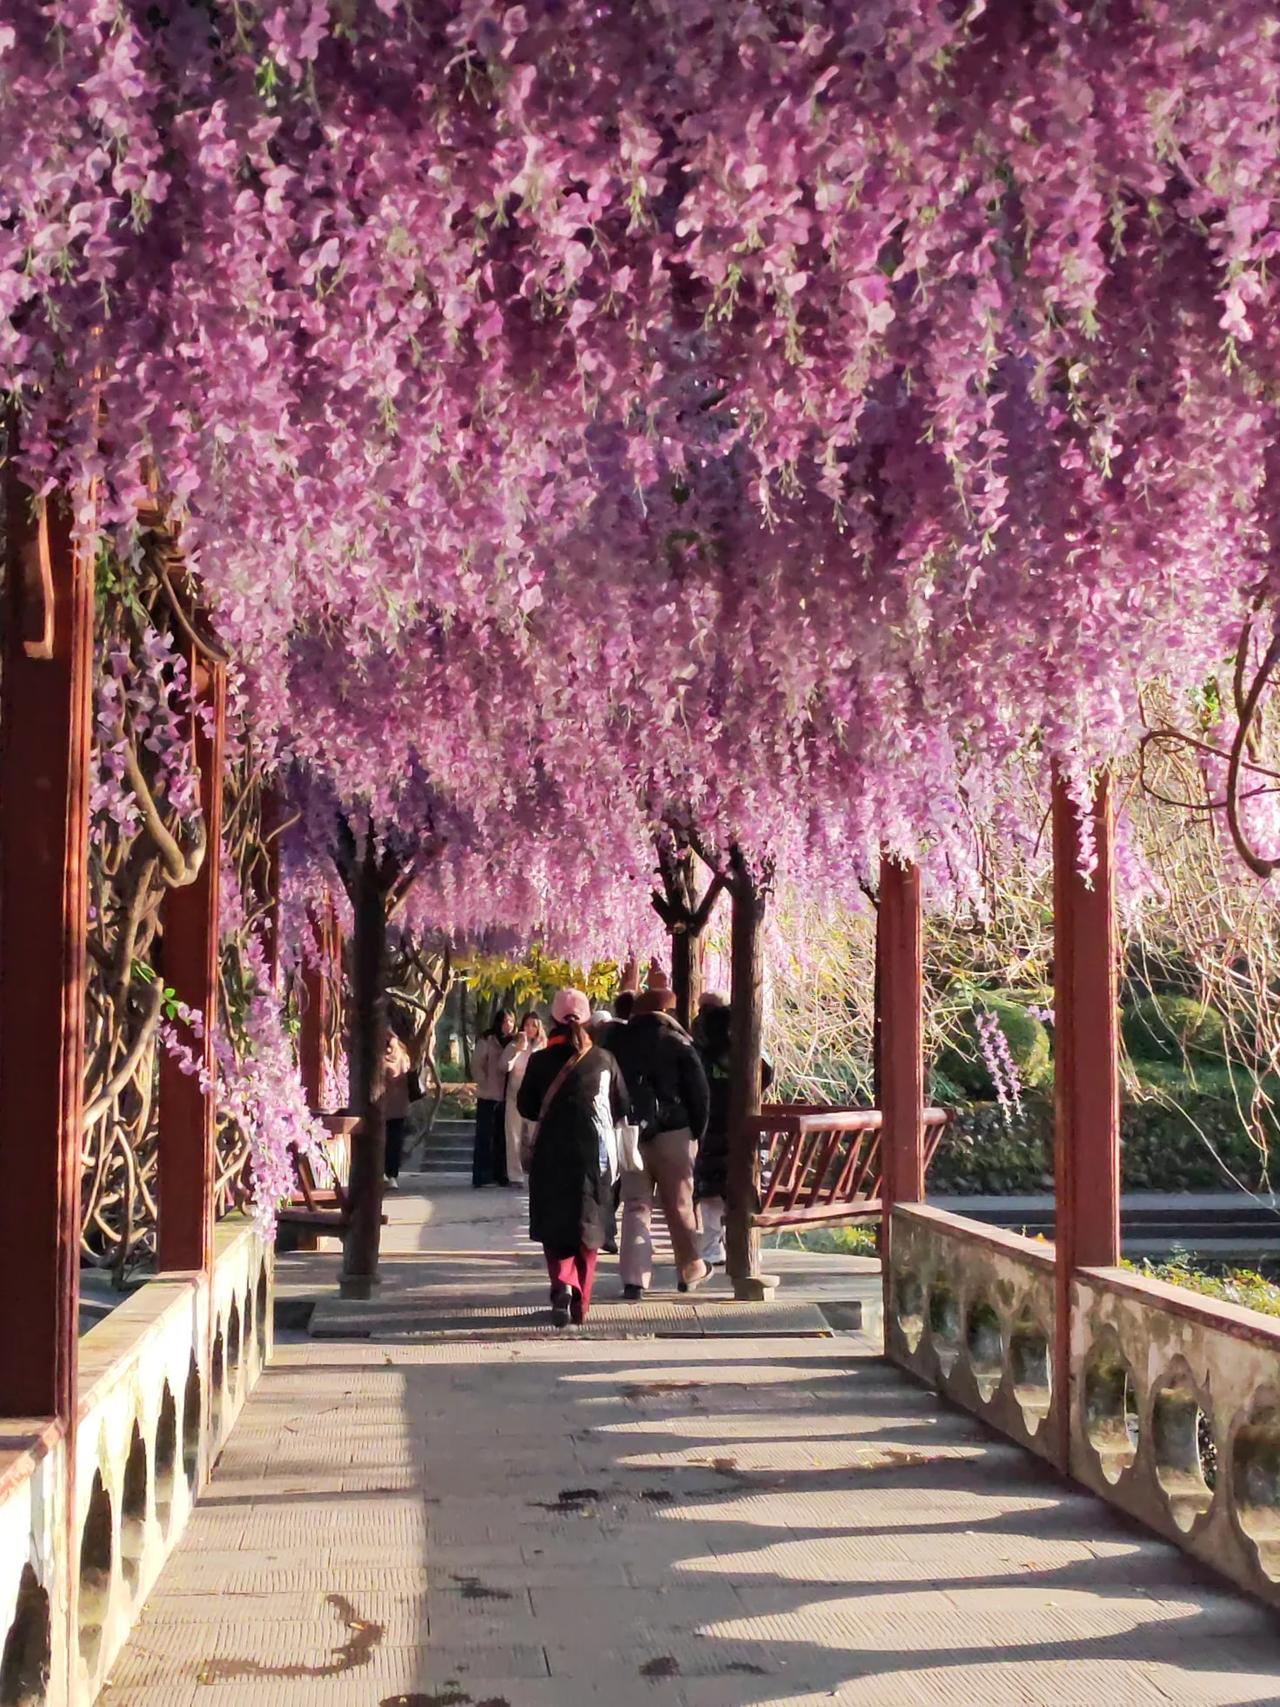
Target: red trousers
(577, 1271)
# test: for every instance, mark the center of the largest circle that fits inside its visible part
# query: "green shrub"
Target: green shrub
(1170, 1028)
(1164, 1148)
(1244, 1286)
(1028, 1041)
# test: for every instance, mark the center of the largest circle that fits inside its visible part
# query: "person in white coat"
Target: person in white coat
(515, 1062)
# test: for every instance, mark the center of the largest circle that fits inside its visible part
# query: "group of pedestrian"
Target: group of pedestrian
(623, 1110)
(499, 1062)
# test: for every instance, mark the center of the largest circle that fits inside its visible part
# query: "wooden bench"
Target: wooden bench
(822, 1165)
(314, 1208)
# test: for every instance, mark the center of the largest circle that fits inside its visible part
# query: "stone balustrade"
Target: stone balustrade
(161, 1382)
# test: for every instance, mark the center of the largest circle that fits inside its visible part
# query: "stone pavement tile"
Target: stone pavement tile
(677, 1603)
(658, 1654)
(867, 1691)
(1201, 1682)
(1212, 1610)
(483, 1662)
(496, 1568)
(171, 1693)
(1012, 1611)
(198, 1607)
(1049, 1682)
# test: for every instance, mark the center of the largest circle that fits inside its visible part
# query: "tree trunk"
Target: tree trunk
(462, 1031)
(686, 973)
(368, 1047)
(746, 1051)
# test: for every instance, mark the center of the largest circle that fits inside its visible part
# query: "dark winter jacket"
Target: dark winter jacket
(664, 1077)
(570, 1190)
(710, 1175)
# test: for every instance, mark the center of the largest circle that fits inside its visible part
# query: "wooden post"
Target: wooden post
(368, 1046)
(742, 1241)
(901, 968)
(185, 1149)
(899, 1048)
(45, 735)
(1086, 1066)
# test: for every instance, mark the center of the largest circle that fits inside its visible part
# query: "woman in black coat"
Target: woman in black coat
(575, 1091)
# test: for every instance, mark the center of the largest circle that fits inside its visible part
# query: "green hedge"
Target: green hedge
(1171, 1028)
(963, 1064)
(1163, 1149)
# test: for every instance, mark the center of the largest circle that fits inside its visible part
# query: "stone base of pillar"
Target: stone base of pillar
(756, 1288)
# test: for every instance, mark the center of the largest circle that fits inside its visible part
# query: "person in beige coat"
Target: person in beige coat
(515, 1062)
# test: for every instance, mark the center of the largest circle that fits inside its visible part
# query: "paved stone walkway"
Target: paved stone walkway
(708, 1522)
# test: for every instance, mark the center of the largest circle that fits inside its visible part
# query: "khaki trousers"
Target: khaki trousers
(668, 1173)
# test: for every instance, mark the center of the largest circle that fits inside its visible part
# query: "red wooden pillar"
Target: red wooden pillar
(1086, 1065)
(900, 1046)
(186, 1150)
(45, 734)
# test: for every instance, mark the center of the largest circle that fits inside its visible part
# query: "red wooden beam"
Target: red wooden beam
(186, 1149)
(45, 736)
(900, 1037)
(1086, 1064)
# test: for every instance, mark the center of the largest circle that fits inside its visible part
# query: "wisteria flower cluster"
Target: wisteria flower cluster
(993, 1046)
(775, 418)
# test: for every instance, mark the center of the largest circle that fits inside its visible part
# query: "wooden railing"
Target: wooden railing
(823, 1164)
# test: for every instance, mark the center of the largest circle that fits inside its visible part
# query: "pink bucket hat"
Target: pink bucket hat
(570, 1004)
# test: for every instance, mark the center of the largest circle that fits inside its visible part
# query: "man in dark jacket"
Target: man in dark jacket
(669, 1102)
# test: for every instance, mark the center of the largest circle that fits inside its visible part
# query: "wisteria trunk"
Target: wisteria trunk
(686, 973)
(368, 1046)
(741, 1239)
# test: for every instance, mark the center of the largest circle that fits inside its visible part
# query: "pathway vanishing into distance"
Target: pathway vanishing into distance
(448, 1505)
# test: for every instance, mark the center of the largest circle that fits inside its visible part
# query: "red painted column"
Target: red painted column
(1086, 1064)
(900, 1053)
(45, 743)
(186, 1150)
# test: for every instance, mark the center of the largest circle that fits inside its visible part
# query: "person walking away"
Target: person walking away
(669, 1103)
(516, 1056)
(397, 1068)
(489, 1156)
(623, 1007)
(711, 1170)
(574, 1094)
(708, 1001)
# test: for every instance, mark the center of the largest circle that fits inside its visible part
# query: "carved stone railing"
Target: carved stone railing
(1174, 1399)
(162, 1379)
(1177, 1418)
(971, 1312)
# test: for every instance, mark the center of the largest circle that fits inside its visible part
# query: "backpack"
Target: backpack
(646, 1112)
